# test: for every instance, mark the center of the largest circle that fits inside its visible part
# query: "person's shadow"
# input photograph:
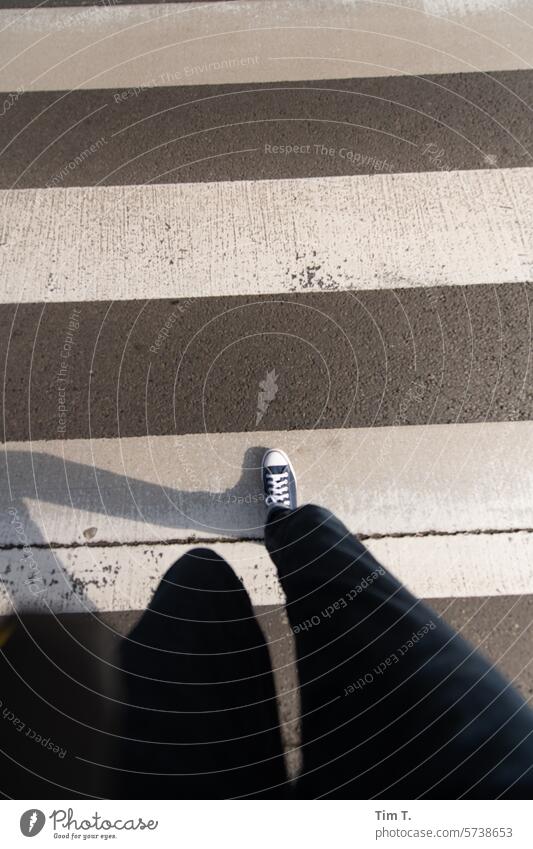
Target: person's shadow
(29, 479)
(37, 574)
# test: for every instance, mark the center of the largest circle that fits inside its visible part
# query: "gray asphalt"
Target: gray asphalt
(400, 357)
(235, 132)
(75, 716)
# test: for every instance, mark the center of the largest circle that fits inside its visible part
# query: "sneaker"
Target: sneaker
(279, 480)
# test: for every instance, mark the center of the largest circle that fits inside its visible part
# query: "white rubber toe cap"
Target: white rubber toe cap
(274, 457)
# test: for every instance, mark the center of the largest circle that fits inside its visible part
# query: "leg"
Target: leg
(394, 702)
(201, 718)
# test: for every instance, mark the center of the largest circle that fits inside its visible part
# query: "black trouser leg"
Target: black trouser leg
(394, 702)
(201, 719)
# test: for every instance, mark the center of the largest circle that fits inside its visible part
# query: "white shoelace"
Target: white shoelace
(278, 489)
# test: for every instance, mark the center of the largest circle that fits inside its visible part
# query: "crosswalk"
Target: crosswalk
(332, 197)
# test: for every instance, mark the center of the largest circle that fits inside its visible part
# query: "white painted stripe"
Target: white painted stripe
(251, 238)
(175, 490)
(384, 480)
(151, 45)
(77, 580)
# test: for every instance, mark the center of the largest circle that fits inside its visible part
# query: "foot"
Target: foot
(279, 480)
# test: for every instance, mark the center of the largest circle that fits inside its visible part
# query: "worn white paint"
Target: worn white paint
(76, 580)
(362, 232)
(194, 44)
(382, 480)
(462, 565)
(115, 578)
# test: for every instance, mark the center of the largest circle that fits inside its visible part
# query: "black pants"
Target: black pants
(394, 702)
